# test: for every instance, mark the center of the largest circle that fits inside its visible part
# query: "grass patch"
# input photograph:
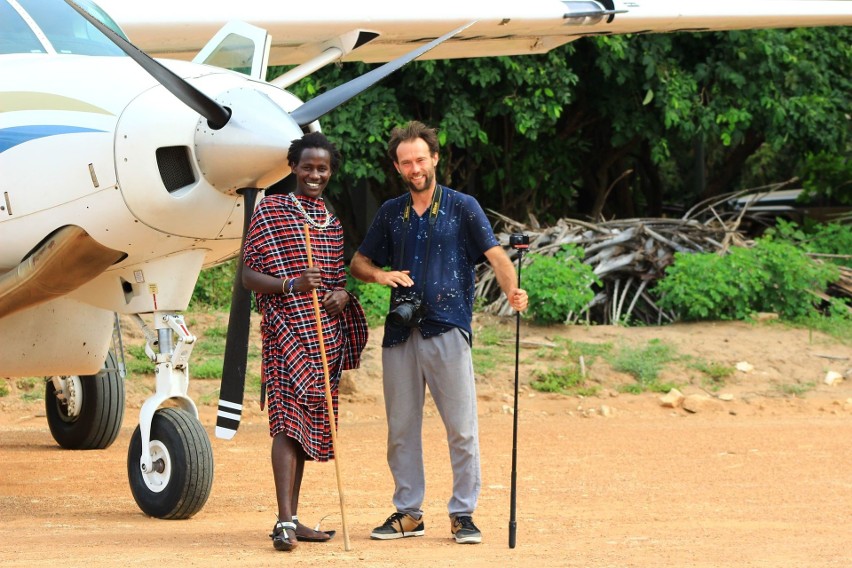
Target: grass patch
(30, 388)
(714, 373)
(489, 350)
(32, 396)
(645, 363)
(570, 376)
(797, 390)
(212, 341)
(137, 362)
(4, 388)
(838, 328)
(566, 380)
(207, 369)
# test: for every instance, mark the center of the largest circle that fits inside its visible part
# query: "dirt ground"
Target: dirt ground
(759, 474)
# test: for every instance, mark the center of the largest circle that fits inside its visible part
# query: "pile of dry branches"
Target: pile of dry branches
(627, 256)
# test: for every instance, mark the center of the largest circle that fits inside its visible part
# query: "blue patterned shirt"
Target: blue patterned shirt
(460, 237)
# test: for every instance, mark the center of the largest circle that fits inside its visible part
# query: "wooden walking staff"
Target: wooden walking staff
(328, 399)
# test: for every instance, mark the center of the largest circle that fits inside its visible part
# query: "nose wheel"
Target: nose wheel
(178, 483)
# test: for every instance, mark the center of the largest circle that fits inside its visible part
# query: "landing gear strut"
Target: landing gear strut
(170, 460)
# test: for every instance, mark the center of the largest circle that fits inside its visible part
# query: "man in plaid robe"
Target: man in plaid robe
(276, 268)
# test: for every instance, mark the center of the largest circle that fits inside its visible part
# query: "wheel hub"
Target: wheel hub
(161, 471)
(69, 394)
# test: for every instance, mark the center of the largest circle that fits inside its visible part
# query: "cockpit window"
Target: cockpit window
(15, 35)
(62, 27)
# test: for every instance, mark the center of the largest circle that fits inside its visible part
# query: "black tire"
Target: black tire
(101, 410)
(183, 476)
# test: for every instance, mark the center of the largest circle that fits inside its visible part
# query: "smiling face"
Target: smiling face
(312, 172)
(416, 165)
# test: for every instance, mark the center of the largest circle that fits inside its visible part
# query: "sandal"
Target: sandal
(281, 538)
(305, 538)
(330, 536)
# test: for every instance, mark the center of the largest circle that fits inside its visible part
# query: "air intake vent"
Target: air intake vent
(175, 169)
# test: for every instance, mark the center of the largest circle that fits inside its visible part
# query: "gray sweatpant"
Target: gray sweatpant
(444, 363)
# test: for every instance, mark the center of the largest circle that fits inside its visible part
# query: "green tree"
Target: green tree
(607, 127)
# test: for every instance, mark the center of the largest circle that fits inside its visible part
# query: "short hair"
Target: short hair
(411, 131)
(314, 140)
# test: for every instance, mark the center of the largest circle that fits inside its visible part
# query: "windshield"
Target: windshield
(36, 26)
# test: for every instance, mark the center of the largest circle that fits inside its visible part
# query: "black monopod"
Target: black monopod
(520, 243)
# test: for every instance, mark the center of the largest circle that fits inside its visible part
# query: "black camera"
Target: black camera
(407, 308)
(519, 241)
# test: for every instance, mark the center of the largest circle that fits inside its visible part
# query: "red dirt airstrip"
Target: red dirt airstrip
(755, 477)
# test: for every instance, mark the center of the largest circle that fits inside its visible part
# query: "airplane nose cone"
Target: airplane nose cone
(251, 150)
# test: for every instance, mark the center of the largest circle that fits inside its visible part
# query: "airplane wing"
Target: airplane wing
(379, 31)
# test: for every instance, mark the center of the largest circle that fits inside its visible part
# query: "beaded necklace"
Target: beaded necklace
(321, 226)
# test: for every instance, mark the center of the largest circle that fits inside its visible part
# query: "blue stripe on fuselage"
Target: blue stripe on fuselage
(11, 137)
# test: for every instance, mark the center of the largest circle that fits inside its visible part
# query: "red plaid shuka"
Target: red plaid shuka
(292, 366)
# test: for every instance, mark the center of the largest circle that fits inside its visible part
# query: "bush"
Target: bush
(558, 285)
(374, 298)
(772, 276)
(831, 238)
(214, 287)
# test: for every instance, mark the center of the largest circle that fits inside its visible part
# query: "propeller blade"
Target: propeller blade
(330, 100)
(217, 116)
(236, 341)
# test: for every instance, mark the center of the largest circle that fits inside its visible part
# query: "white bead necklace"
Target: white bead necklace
(321, 226)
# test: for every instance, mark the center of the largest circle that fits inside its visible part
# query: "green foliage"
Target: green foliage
(716, 371)
(213, 341)
(28, 387)
(829, 174)
(831, 238)
(550, 133)
(137, 362)
(837, 322)
(558, 285)
(567, 376)
(206, 362)
(797, 390)
(374, 299)
(566, 380)
(214, 287)
(490, 351)
(208, 369)
(4, 388)
(645, 363)
(769, 277)
(563, 372)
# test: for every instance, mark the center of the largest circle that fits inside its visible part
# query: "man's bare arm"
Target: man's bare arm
(363, 269)
(507, 278)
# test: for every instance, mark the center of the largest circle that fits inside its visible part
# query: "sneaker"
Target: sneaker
(399, 525)
(464, 531)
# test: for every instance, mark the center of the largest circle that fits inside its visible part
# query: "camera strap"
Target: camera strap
(433, 217)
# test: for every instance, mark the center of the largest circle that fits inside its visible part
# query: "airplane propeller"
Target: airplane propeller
(218, 116)
(236, 340)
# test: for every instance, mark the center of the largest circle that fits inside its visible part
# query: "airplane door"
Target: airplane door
(240, 47)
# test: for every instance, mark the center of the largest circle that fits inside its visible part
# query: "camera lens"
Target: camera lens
(402, 314)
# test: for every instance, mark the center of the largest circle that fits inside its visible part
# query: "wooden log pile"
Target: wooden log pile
(627, 255)
(842, 287)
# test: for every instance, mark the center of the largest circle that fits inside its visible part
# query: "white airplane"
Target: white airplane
(121, 176)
